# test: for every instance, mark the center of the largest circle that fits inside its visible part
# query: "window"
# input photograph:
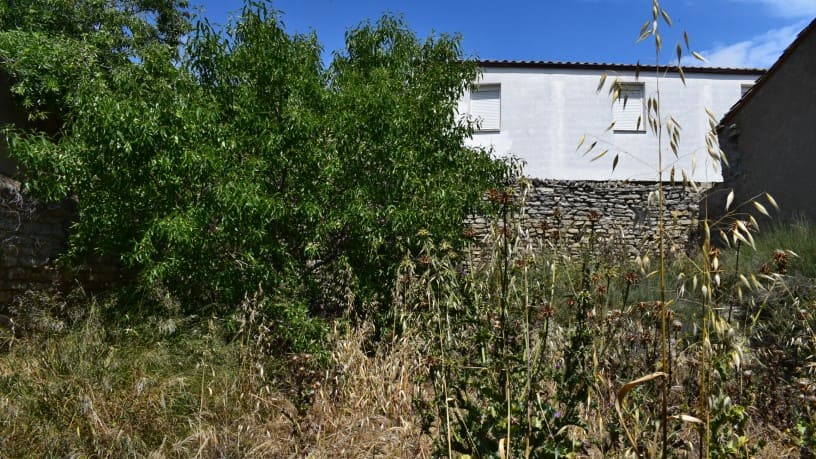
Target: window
(627, 111)
(745, 88)
(485, 107)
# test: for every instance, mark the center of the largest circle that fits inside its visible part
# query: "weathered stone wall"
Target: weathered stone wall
(32, 235)
(622, 216)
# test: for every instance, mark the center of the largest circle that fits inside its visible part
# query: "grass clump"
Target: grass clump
(103, 385)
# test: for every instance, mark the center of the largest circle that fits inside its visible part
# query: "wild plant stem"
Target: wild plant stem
(444, 370)
(528, 360)
(704, 453)
(704, 441)
(736, 278)
(553, 266)
(201, 398)
(625, 296)
(661, 235)
(504, 322)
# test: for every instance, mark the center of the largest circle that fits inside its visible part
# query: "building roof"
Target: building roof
(611, 66)
(810, 29)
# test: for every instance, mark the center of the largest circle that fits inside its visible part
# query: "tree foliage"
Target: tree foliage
(244, 162)
(48, 46)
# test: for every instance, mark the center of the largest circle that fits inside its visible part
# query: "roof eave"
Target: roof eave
(613, 66)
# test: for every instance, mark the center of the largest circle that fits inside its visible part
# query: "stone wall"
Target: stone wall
(621, 215)
(32, 236)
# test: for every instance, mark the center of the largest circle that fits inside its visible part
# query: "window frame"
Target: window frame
(624, 99)
(486, 88)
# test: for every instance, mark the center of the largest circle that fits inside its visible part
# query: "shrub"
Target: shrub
(245, 163)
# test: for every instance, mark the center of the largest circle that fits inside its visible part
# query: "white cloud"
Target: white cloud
(788, 8)
(758, 52)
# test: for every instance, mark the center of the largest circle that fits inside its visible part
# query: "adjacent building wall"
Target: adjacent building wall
(546, 109)
(770, 136)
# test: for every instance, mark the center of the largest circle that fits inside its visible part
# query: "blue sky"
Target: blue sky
(730, 33)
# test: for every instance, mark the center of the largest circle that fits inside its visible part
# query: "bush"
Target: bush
(244, 163)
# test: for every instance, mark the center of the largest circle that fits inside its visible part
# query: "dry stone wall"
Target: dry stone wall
(32, 235)
(620, 215)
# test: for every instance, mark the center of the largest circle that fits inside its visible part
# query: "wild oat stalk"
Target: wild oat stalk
(655, 122)
(505, 283)
(705, 346)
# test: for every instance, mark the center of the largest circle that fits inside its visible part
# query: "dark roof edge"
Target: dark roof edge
(609, 66)
(810, 28)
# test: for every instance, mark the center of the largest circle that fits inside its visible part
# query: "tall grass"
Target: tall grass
(101, 386)
(577, 335)
(537, 351)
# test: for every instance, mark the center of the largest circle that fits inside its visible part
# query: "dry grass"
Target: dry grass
(86, 384)
(366, 405)
(94, 390)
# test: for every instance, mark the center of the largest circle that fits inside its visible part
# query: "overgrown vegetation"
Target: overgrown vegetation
(243, 162)
(548, 340)
(304, 288)
(81, 384)
(538, 352)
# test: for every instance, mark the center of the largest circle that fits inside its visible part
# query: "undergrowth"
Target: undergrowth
(100, 386)
(542, 352)
(530, 352)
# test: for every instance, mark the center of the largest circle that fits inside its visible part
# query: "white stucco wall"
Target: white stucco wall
(546, 111)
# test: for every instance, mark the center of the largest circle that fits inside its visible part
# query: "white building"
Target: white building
(539, 111)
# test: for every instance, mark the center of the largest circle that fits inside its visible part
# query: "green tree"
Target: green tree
(402, 164)
(47, 46)
(243, 162)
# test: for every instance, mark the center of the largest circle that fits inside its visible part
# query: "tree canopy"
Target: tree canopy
(238, 161)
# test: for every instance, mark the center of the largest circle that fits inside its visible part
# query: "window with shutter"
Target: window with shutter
(627, 111)
(485, 107)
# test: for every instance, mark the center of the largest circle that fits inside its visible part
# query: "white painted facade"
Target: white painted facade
(546, 108)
